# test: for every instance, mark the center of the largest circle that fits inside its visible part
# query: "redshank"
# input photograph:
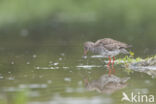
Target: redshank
(106, 47)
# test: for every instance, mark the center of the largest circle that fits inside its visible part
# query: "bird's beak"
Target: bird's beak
(85, 52)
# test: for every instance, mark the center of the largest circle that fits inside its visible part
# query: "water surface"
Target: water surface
(56, 73)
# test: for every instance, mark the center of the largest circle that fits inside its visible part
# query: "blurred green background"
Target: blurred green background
(41, 33)
(129, 21)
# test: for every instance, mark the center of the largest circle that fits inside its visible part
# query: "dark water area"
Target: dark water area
(46, 63)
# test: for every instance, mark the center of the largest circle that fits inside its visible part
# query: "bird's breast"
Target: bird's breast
(112, 53)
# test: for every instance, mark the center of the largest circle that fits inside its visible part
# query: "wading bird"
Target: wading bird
(106, 47)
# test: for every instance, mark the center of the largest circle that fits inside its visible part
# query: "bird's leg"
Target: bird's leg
(113, 64)
(108, 65)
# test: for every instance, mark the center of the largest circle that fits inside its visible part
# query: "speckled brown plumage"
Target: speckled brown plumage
(106, 47)
(110, 44)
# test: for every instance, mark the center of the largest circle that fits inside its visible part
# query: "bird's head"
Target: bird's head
(87, 46)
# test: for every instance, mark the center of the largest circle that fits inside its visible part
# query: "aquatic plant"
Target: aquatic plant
(129, 59)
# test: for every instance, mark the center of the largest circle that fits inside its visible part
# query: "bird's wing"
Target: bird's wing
(111, 47)
(111, 42)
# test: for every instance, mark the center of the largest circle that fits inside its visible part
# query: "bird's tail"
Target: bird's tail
(124, 51)
(129, 46)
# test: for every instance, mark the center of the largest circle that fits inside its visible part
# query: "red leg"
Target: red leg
(108, 65)
(113, 64)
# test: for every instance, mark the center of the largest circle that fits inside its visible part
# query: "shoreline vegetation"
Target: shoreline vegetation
(146, 65)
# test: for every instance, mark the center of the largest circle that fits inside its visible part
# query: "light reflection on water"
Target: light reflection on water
(54, 78)
(78, 100)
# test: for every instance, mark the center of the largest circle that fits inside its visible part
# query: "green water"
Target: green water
(47, 70)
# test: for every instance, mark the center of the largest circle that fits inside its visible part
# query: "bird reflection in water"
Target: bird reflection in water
(106, 84)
